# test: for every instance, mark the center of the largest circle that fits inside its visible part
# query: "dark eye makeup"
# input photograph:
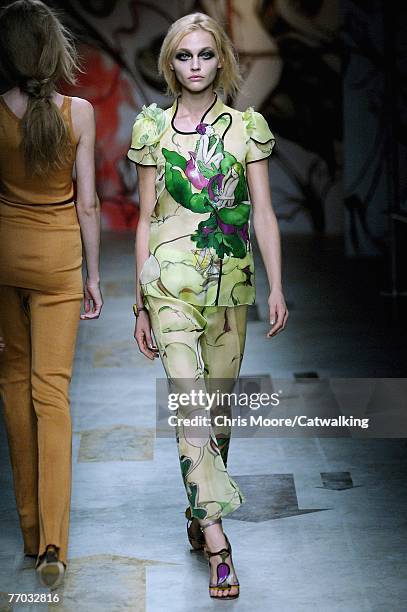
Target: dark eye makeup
(186, 55)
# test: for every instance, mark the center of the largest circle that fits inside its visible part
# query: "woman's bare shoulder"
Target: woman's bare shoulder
(83, 116)
(81, 105)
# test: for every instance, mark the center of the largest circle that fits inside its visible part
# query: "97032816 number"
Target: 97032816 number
(33, 597)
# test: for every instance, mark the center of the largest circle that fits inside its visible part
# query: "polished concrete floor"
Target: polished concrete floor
(324, 527)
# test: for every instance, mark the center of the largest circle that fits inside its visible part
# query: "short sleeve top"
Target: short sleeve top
(200, 248)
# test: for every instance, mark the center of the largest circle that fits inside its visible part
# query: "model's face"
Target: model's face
(196, 61)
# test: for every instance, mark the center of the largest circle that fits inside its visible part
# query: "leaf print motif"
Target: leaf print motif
(219, 181)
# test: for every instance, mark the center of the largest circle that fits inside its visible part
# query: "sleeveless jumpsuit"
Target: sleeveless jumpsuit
(40, 298)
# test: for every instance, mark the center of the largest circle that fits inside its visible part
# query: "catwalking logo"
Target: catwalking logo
(301, 420)
(208, 401)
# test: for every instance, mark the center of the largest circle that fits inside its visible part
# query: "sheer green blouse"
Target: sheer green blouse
(200, 249)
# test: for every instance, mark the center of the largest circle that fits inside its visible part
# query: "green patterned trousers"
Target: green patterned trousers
(202, 347)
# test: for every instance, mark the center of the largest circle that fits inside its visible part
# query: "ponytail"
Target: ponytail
(36, 52)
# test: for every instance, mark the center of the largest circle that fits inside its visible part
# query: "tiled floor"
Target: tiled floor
(324, 526)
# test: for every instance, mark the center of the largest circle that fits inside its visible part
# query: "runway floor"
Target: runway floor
(324, 525)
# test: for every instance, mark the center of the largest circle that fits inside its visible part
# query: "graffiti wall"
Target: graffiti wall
(290, 58)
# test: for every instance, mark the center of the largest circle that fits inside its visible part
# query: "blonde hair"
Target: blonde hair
(36, 51)
(228, 78)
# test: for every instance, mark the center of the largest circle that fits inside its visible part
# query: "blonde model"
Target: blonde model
(202, 168)
(42, 135)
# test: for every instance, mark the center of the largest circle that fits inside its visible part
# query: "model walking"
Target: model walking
(196, 163)
(43, 134)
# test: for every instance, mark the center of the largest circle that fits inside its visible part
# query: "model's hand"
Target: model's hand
(2, 344)
(142, 334)
(278, 312)
(92, 300)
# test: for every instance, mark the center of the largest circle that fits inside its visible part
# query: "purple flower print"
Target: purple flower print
(194, 176)
(244, 232)
(214, 180)
(228, 228)
(201, 128)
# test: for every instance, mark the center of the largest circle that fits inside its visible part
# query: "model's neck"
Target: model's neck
(196, 103)
(17, 93)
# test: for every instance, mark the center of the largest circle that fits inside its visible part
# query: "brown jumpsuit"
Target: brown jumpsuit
(40, 300)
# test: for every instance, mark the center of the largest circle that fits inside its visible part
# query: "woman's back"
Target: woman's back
(42, 134)
(18, 185)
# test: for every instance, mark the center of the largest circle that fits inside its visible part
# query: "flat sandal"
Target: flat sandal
(223, 570)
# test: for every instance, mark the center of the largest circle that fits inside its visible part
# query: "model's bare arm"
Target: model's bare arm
(146, 187)
(87, 202)
(268, 238)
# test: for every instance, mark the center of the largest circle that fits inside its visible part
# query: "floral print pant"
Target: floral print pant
(201, 348)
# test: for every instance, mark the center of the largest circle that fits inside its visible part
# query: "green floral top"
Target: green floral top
(200, 250)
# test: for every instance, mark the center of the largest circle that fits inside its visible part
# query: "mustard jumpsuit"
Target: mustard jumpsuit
(40, 299)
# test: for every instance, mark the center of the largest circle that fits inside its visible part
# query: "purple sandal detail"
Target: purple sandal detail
(224, 572)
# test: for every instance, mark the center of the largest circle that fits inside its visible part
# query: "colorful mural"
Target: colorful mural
(290, 60)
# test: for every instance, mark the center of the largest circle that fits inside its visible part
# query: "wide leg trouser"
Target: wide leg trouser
(202, 348)
(40, 301)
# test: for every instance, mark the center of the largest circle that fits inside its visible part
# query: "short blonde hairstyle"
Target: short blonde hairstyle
(228, 78)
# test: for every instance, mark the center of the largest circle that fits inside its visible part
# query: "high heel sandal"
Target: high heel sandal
(50, 569)
(224, 572)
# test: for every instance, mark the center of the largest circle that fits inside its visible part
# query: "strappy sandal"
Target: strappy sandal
(50, 569)
(195, 535)
(224, 572)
